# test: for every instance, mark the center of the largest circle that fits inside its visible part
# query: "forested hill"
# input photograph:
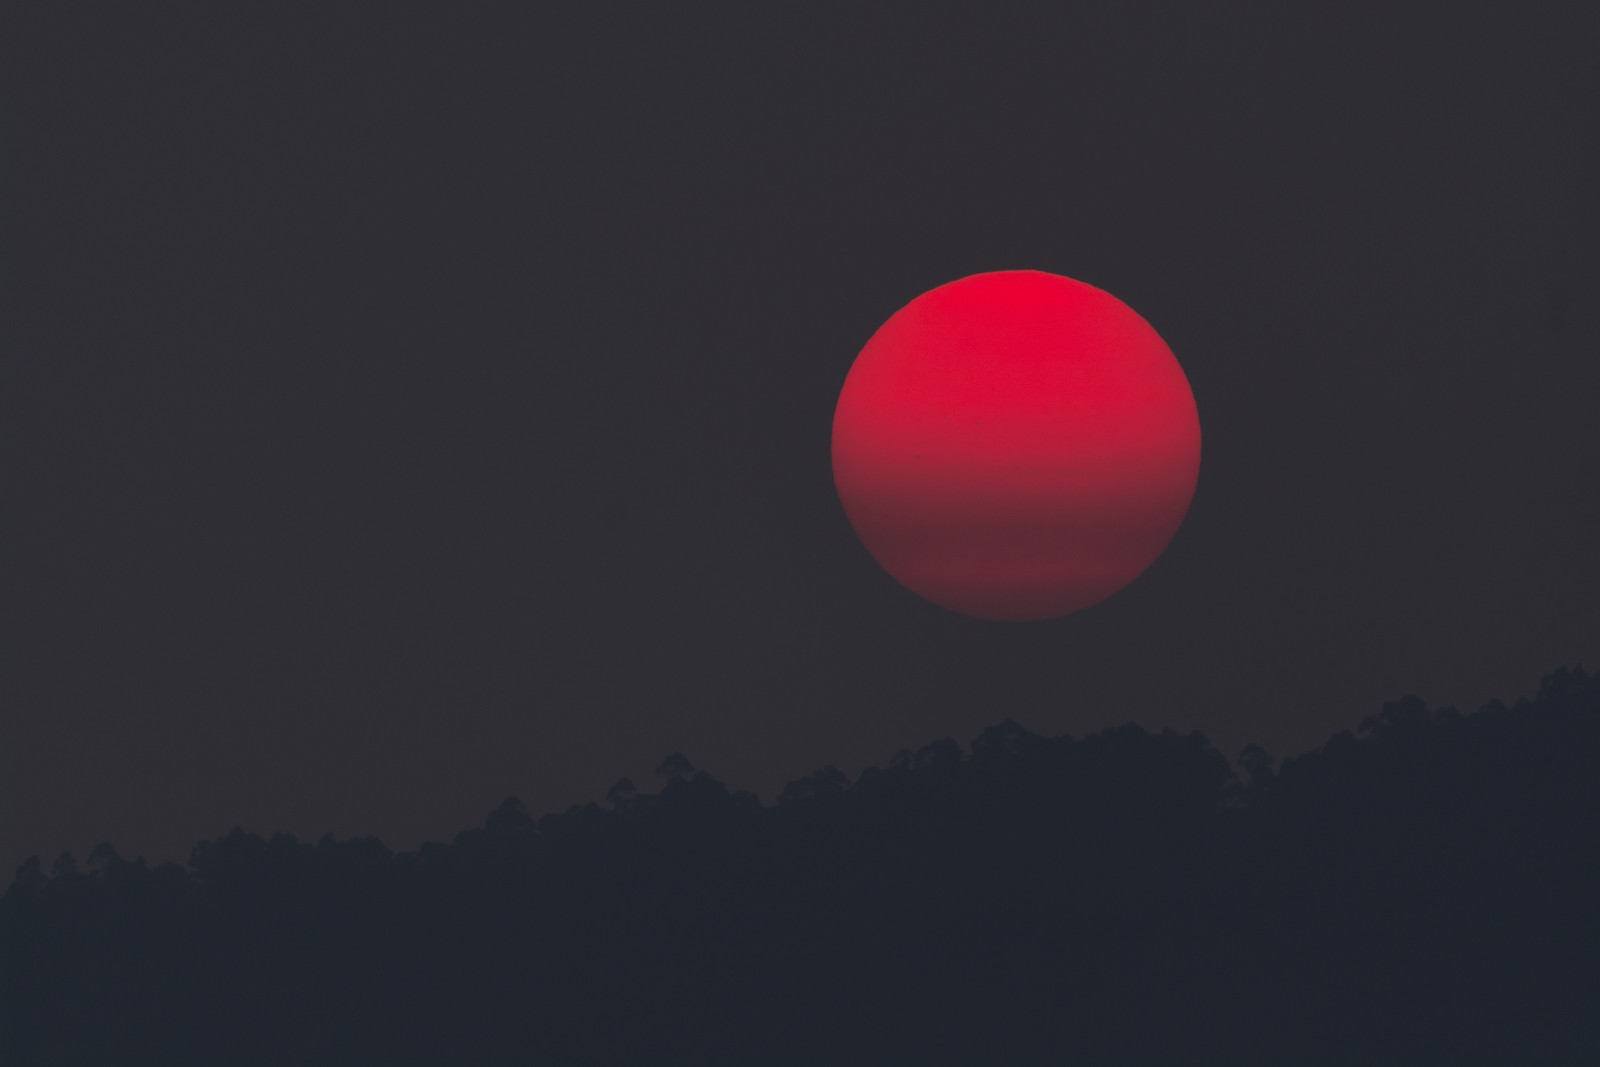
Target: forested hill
(1421, 891)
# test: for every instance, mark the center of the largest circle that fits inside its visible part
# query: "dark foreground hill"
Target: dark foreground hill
(1423, 893)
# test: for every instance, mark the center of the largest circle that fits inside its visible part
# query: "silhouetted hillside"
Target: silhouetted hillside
(1420, 892)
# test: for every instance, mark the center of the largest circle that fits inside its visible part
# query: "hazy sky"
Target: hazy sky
(408, 407)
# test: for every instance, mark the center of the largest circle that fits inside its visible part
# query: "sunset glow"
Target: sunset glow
(1016, 445)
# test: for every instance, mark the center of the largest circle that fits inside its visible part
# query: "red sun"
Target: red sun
(1016, 445)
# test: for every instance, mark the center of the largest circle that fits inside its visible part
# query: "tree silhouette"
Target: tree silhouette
(1418, 891)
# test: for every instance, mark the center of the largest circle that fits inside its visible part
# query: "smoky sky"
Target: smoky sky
(409, 406)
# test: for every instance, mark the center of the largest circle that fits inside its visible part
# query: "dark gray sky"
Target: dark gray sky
(408, 407)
